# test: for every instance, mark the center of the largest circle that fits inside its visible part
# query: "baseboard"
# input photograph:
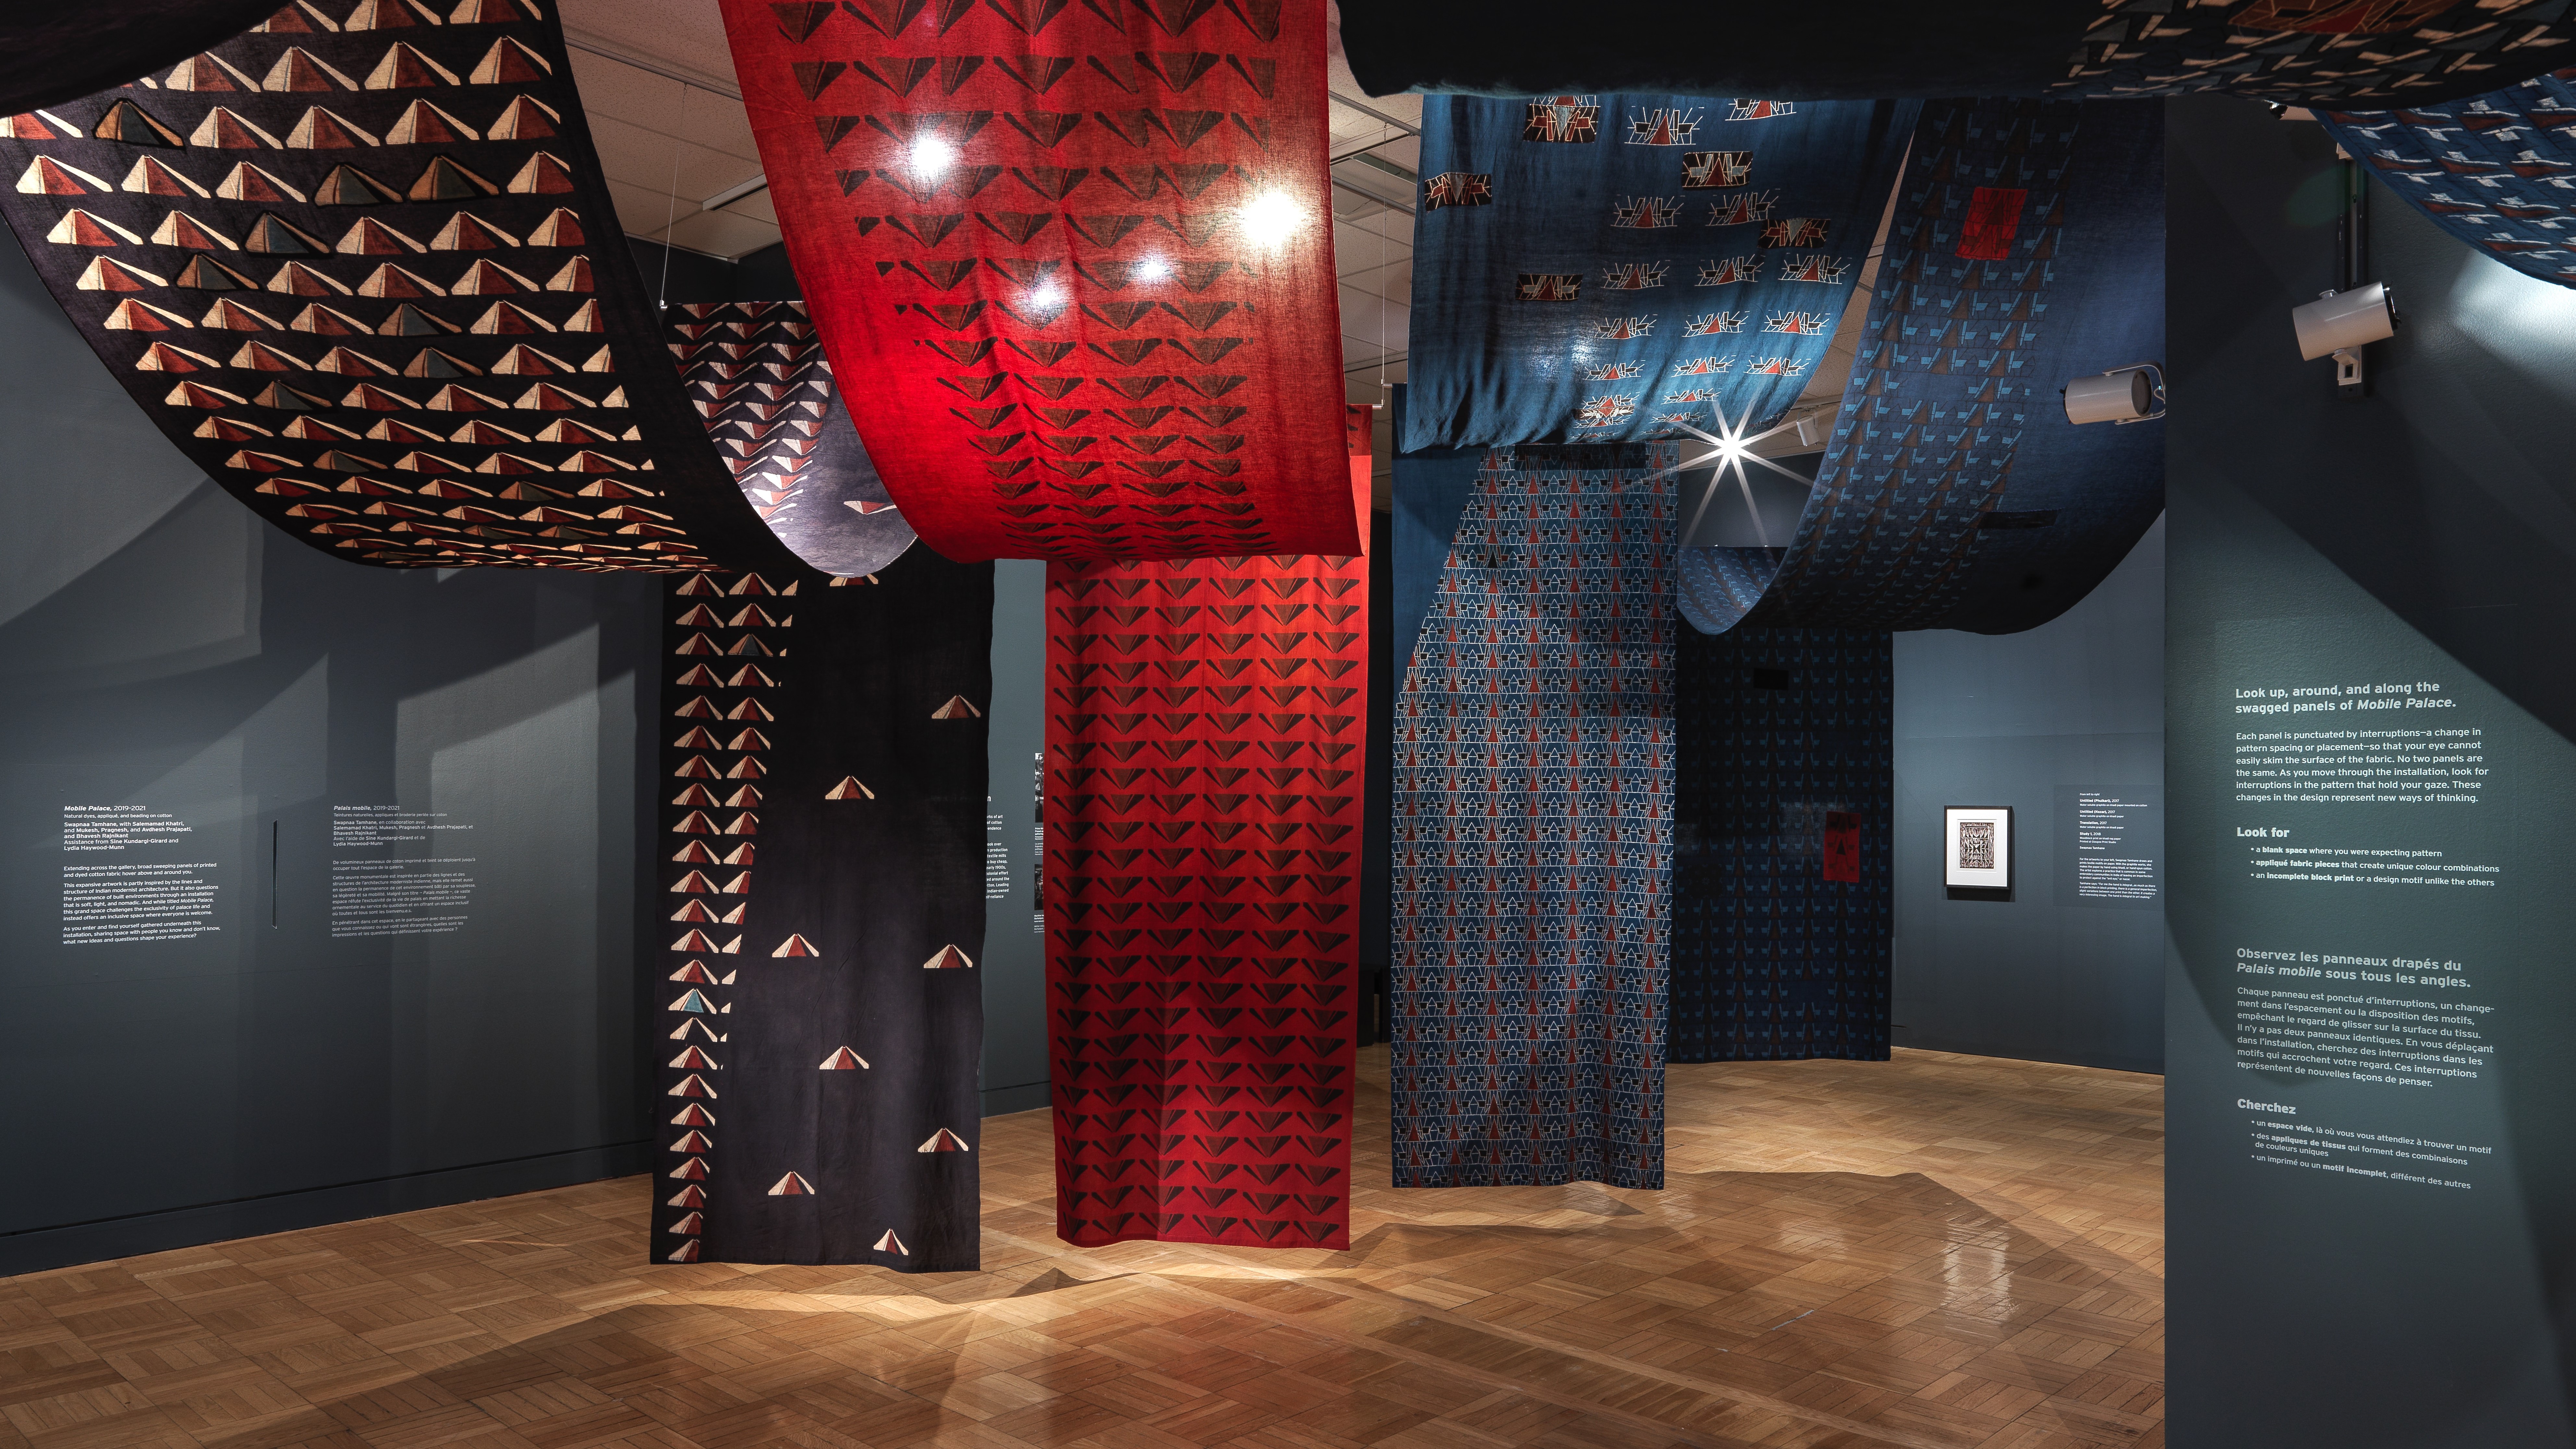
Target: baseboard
(1028, 1097)
(33, 1250)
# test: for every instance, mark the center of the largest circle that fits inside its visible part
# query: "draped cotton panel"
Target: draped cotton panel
(55, 53)
(2027, 249)
(822, 874)
(1595, 267)
(757, 375)
(370, 279)
(1533, 832)
(1206, 726)
(1080, 254)
(2382, 52)
(2497, 171)
(360, 264)
(1784, 772)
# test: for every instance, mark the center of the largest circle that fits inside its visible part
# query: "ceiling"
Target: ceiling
(658, 83)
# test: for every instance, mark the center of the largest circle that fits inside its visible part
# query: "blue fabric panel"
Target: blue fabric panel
(2028, 249)
(1431, 488)
(2497, 171)
(1589, 266)
(1533, 833)
(1771, 960)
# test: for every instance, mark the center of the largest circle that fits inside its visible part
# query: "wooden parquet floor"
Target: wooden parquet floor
(1939, 1251)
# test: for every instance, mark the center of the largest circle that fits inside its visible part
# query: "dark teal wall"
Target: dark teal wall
(2031, 720)
(2424, 535)
(161, 647)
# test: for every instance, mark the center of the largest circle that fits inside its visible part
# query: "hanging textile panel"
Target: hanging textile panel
(756, 375)
(1533, 832)
(1429, 491)
(2385, 52)
(1783, 804)
(1080, 255)
(2027, 250)
(1206, 730)
(2497, 171)
(823, 846)
(55, 53)
(1596, 267)
(370, 279)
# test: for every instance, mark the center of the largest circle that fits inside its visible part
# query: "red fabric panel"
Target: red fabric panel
(1994, 215)
(1031, 232)
(1206, 728)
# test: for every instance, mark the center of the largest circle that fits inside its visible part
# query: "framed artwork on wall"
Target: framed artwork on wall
(1976, 848)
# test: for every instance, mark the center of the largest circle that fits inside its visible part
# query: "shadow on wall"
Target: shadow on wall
(237, 1045)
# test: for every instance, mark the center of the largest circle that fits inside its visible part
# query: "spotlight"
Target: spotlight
(1270, 218)
(2122, 395)
(2339, 324)
(932, 156)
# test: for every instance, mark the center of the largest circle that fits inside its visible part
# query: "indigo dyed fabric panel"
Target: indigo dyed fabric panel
(823, 876)
(1533, 832)
(1784, 771)
(2378, 52)
(2027, 250)
(2497, 171)
(1590, 266)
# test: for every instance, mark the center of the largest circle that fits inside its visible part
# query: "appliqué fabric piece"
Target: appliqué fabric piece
(1780, 939)
(2497, 171)
(371, 280)
(1079, 255)
(1533, 832)
(1597, 266)
(755, 372)
(1205, 748)
(821, 1018)
(2027, 249)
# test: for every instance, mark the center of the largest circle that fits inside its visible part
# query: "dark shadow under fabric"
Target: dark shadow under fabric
(1776, 728)
(1431, 488)
(54, 53)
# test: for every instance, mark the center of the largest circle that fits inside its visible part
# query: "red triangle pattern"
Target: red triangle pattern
(1070, 348)
(1205, 741)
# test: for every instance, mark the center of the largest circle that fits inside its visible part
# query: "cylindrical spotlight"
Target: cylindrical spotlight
(2345, 321)
(2122, 395)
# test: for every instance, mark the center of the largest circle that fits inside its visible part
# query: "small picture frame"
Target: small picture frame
(1976, 850)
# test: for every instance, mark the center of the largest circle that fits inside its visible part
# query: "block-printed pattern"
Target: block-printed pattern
(2348, 52)
(1533, 832)
(2497, 171)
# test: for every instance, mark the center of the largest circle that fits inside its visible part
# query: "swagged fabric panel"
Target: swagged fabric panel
(55, 53)
(1428, 494)
(361, 264)
(1023, 223)
(756, 374)
(820, 1033)
(1205, 761)
(1533, 832)
(2302, 52)
(2027, 249)
(1597, 266)
(371, 280)
(1783, 773)
(2497, 170)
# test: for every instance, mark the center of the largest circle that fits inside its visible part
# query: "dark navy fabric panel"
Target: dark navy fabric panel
(2493, 170)
(1779, 730)
(2027, 250)
(1431, 488)
(1589, 267)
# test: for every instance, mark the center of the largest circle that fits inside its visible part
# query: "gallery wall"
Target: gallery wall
(2369, 773)
(329, 872)
(2064, 724)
